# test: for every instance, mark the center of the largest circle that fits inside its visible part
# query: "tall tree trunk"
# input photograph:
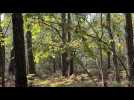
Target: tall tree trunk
(54, 65)
(130, 49)
(108, 59)
(55, 57)
(59, 61)
(2, 55)
(64, 40)
(70, 53)
(101, 66)
(11, 69)
(115, 61)
(103, 69)
(31, 63)
(18, 38)
(71, 64)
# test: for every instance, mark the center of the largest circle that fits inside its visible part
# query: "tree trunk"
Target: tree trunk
(11, 69)
(71, 64)
(54, 65)
(2, 56)
(101, 68)
(60, 61)
(115, 61)
(108, 59)
(70, 52)
(31, 63)
(64, 40)
(18, 38)
(129, 43)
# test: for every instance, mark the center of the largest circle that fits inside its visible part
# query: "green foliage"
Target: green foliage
(8, 41)
(88, 35)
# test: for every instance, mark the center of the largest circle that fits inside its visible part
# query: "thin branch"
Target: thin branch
(58, 31)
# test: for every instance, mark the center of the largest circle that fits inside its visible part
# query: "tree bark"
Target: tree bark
(31, 63)
(115, 61)
(59, 61)
(64, 40)
(130, 49)
(2, 56)
(70, 53)
(18, 38)
(11, 69)
(108, 60)
(54, 65)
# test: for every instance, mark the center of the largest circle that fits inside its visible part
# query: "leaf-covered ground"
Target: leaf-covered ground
(81, 80)
(54, 81)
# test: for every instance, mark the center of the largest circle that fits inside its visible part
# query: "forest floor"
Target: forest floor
(80, 80)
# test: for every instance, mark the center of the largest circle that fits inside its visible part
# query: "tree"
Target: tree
(11, 69)
(18, 39)
(64, 40)
(31, 63)
(130, 49)
(2, 55)
(108, 59)
(71, 65)
(103, 70)
(29, 47)
(115, 60)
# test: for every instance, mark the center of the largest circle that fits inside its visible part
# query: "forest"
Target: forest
(66, 50)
